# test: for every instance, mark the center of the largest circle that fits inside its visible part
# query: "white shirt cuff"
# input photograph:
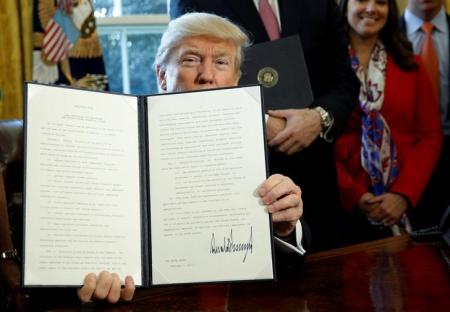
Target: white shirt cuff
(287, 247)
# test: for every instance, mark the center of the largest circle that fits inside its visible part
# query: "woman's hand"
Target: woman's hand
(391, 207)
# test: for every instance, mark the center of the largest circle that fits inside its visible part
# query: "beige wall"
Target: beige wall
(402, 4)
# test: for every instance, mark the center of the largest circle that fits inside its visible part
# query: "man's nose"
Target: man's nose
(206, 73)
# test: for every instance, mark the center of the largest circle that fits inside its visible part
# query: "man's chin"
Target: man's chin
(193, 88)
(427, 5)
(206, 87)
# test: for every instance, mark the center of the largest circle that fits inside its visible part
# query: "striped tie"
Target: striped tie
(269, 20)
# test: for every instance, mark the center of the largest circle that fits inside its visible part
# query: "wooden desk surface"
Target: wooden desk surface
(393, 274)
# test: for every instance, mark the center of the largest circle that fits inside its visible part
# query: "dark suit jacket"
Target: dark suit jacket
(335, 87)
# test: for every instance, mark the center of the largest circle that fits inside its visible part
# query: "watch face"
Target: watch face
(325, 118)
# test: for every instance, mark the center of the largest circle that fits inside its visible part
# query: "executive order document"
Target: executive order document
(171, 191)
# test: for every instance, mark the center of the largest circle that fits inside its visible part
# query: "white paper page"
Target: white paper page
(206, 162)
(82, 186)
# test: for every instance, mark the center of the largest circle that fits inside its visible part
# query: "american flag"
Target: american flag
(60, 35)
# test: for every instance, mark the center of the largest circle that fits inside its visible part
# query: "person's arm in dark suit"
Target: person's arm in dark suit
(342, 97)
(288, 260)
(342, 90)
(335, 86)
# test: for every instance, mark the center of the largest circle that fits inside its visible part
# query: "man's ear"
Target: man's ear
(162, 78)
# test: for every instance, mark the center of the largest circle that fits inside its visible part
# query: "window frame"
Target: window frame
(130, 25)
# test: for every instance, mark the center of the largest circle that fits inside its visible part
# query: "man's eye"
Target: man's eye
(190, 60)
(222, 62)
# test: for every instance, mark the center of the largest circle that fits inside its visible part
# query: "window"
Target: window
(130, 31)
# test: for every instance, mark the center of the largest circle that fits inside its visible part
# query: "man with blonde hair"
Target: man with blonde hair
(203, 51)
(204, 25)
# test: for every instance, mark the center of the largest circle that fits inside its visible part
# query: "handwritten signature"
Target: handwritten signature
(229, 246)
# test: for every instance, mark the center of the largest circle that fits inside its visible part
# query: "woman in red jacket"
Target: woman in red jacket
(391, 143)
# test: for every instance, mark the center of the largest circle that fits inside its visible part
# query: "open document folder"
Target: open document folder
(159, 187)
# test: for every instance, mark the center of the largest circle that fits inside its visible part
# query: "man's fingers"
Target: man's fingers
(282, 136)
(286, 145)
(275, 187)
(114, 291)
(104, 282)
(269, 184)
(127, 292)
(106, 286)
(280, 113)
(88, 288)
(292, 200)
(287, 215)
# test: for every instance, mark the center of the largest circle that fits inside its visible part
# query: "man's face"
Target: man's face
(426, 6)
(200, 62)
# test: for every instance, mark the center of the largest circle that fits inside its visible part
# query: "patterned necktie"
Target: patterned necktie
(429, 56)
(269, 20)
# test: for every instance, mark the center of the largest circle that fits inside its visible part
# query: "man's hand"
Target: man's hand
(302, 128)
(107, 287)
(391, 207)
(283, 199)
(274, 125)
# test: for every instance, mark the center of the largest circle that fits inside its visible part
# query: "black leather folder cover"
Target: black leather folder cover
(279, 66)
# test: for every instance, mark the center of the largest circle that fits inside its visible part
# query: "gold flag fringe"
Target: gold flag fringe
(38, 38)
(46, 9)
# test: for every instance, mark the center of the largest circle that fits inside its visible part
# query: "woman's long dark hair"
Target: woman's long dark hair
(395, 42)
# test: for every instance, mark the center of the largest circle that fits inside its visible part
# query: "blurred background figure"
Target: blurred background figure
(427, 26)
(390, 146)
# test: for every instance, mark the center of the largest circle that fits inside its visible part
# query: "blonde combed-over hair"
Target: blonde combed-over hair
(200, 24)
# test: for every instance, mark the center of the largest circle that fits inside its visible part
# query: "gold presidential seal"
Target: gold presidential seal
(267, 77)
